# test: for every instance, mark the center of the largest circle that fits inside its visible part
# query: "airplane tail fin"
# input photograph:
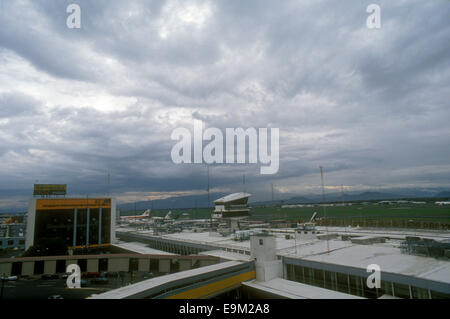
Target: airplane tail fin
(146, 213)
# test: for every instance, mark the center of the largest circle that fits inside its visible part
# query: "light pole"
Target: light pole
(3, 284)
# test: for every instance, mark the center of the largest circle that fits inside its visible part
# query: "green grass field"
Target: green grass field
(424, 212)
(427, 212)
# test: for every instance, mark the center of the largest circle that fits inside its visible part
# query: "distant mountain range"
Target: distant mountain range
(201, 201)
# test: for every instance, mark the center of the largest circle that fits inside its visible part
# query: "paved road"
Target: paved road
(43, 289)
(39, 288)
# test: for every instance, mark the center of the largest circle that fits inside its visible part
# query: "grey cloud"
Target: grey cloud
(13, 105)
(363, 103)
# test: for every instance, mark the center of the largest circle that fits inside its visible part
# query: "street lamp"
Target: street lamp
(3, 284)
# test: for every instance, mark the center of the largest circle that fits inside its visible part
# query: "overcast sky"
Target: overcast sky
(369, 105)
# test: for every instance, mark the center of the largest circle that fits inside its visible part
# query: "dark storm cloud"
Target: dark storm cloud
(371, 106)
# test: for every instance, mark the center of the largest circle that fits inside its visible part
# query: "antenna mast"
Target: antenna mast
(324, 207)
(207, 166)
(210, 213)
(108, 181)
(272, 195)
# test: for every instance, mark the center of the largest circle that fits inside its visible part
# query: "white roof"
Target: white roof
(141, 248)
(390, 259)
(233, 197)
(295, 290)
(226, 255)
(131, 290)
(387, 255)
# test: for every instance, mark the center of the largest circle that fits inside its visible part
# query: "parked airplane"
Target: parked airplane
(145, 214)
(169, 216)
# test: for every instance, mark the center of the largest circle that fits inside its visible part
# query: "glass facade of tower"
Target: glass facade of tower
(79, 223)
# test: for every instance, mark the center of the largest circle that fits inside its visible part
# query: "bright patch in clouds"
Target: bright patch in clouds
(182, 16)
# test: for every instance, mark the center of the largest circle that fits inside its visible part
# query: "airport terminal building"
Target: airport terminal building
(79, 223)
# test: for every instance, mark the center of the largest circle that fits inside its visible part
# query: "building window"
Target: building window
(261, 242)
(318, 278)
(386, 287)
(401, 291)
(355, 285)
(439, 295)
(60, 266)
(419, 293)
(308, 275)
(342, 283)
(83, 264)
(38, 267)
(133, 264)
(103, 264)
(329, 280)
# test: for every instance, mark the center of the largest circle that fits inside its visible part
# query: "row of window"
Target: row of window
(356, 285)
(11, 243)
(174, 248)
(102, 266)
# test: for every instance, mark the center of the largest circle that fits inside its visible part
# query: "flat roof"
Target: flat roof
(390, 259)
(140, 248)
(391, 233)
(213, 238)
(226, 255)
(131, 290)
(295, 290)
(232, 197)
(387, 255)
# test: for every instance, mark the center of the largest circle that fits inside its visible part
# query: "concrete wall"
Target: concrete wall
(185, 264)
(31, 219)
(50, 267)
(114, 264)
(113, 220)
(144, 264)
(268, 270)
(5, 268)
(92, 265)
(204, 263)
(164, 265)
(118, 264)
(263, 248)
(28, 268)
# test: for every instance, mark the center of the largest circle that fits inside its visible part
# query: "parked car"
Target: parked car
(100, 280)
(113, 274)
(90, 274)
(10, 278)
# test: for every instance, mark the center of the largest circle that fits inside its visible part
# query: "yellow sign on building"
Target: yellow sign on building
(71, 203)
(50, 189)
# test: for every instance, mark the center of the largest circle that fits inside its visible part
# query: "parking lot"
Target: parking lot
(46, 287)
